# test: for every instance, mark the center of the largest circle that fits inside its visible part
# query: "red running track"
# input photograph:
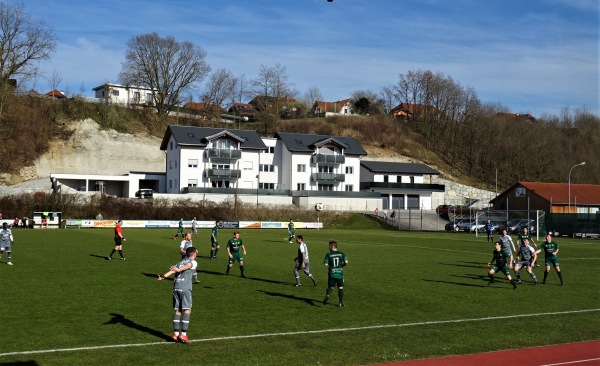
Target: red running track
(577, 354)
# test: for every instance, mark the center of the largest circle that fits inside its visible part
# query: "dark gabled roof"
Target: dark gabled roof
(558, 193)
(299, 142)
(383, 167)
(200, 137)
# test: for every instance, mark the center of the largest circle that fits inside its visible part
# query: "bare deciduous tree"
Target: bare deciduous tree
(272, 90)
(24, 42)
(312, 95)
(219, 88)
(167, 67)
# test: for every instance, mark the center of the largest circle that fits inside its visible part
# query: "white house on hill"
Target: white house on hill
(125, 95)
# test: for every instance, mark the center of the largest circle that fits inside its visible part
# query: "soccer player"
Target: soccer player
(233, 249)
(182, 294)
(6, 239)
(291, 230)
(550, 249)
(186, 243)
(335, 261)
(489, 229)
(214, 241)
(508, 246)
(119, 238)
(302, 261)
(525, 235)
(526, 258)
(194, 226)
(179, 229)
(500, 258)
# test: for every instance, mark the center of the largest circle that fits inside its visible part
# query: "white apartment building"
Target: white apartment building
(125, 95)
(290, 168)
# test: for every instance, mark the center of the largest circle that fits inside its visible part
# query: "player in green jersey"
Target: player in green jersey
(501, 260)
(180, 229)
(233, 249)
(550, 249)
(214, 240)
(291, 230)
(335, 261)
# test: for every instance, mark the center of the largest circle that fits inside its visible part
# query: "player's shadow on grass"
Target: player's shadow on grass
(457, 283)
(99, 256)
(467, 264)
(20, 363)
(266, 280)
(121, 319)
(310, 302)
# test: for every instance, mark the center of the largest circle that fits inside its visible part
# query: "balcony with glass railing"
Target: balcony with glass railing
(224, 154)
(328, 159)
(328, 177)
(223, 173)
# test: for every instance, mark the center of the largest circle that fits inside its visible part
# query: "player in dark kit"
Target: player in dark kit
(550, 249)
(291, 231)
(489, 229)
(233, 249)
(179, 229)
(214, 241)
(501, 258)
(335, 261)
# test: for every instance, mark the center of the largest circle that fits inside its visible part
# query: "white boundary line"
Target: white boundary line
(571, 362)
(300, 332)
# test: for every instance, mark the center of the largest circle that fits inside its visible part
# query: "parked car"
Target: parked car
(479, 227)
(516, 226)
(458, 225)
(443, 210)
(144, 193)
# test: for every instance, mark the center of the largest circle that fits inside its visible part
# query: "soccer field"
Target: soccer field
(407, 295)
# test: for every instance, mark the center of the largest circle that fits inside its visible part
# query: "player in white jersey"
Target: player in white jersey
(182, 294)
(6, 239)
(302, 261)
(186, 243)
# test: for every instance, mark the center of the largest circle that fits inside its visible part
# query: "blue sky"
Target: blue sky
(533, 56)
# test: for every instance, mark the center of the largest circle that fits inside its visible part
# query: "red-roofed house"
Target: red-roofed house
(412, 111)
(203, 107)
(55, 94)
(516, 117)
(550, 197)
(342, 107)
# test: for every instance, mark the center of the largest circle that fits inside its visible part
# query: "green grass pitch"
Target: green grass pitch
(408, 295)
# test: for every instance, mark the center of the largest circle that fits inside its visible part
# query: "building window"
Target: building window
(271, 149)
(325, 169)
(386, 178)
(192, 163)
(149, 97)
(325, 187)
(267, 168)
(301, 168)
(175, 164)
(412, 179)
(349, 188)
(171, 145)
(266, 185)
(192, 182)
(170, 183)
(170, 164)
(412, 201)
(398, 179)
(349, 170)
(301, 186)
(114, 93)
(136, 97)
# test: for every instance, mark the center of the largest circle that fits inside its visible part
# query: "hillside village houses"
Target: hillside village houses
(125, 95)
(305, 170)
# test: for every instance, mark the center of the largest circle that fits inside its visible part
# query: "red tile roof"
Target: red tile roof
(55, 94)
(203, 106)
(331, 106)
(584, 194)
